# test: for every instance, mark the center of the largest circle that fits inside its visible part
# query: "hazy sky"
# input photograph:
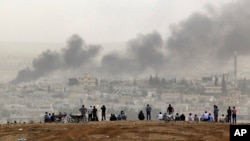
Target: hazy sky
(96, 21)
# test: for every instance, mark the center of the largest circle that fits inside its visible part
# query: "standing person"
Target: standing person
(90, 112)
(83, 111)
(170, 110)
(103, 112)
(229, 114)
(148, 111)
(95, 118)
(216, 113)
(234, 115)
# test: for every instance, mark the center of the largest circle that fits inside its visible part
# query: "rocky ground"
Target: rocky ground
(116, 131)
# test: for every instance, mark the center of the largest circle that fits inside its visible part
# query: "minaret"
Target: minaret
(235, 67)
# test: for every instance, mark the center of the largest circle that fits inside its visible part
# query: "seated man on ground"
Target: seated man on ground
(211, 119)
(160, 116)
(205, 116)
(196, 118)
(177, 117)
(182, 117)
(190, 117)
(222, 119)
(46, 117)
(141, 116)
(113, 117)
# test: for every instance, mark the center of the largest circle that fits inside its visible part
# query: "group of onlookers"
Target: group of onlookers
(231, 114)
(48, 117)
(90, 114)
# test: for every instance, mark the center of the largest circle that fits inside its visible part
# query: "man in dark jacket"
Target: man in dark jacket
(103, 112)
(141, 116)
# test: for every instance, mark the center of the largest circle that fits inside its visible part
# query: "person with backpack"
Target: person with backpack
(229, 114)
(170, 110)
(148, 111)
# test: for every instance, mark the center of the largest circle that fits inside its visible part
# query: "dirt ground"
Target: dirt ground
(116, 131)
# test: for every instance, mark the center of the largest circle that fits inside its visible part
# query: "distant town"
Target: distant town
(28, 101)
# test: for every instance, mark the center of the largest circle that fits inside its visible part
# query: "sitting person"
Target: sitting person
(141, 116)
(113, 117)
(123, 116)
(46, 117)
(160, 116)
(164, 116)
(177, 117)
(210, 117)
(182, 117)
(196, 118)
(205, 116)
(222, 118)
(52, 118)
(190, 117)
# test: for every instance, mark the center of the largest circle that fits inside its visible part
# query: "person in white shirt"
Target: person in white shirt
(90, 113)
(206, 116)
(190, 117)
(222, 118)
(160, 116)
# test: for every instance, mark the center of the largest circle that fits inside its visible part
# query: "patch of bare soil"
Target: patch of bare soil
(116, 131)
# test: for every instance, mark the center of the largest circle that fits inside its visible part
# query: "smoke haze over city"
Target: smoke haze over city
(213, 35)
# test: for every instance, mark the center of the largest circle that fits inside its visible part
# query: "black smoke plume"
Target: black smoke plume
(142, 53)
(75, 55)
(213, 35)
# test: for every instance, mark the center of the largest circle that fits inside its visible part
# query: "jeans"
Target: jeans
(148, 116)
(234, 118)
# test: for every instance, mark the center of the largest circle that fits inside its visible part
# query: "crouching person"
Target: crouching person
(141, 116)
(222, 119)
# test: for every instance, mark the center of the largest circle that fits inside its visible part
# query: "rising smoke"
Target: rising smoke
(142, 53)
(75, 55)
(213, 35)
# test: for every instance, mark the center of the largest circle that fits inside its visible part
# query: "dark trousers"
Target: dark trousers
(103, 116)
(148, 116)
(95, 118)
(216, 118)
(234, 118)
(90, 117)
(229, 118)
